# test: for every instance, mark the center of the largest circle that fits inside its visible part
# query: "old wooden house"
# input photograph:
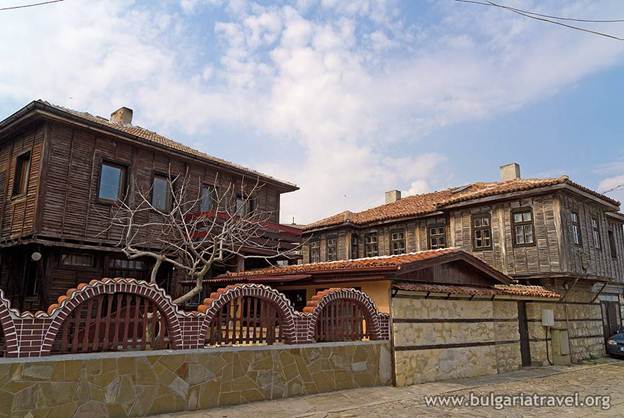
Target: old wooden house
(61, 172)
(550, 231)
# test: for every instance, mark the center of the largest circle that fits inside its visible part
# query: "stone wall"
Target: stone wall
(147, 383)
(448, 338)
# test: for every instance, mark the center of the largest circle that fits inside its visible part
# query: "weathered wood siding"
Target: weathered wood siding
(19, 212)
(70, 206)
(585, 258)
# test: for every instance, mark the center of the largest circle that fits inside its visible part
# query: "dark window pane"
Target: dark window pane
(22, 171)
(160, 193)
(110, 182)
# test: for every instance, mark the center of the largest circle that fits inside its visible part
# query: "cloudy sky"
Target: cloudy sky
(346, 98)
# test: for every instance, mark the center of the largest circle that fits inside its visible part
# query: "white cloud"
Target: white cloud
(351, 88)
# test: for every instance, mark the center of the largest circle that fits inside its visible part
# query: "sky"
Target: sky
(347, 99)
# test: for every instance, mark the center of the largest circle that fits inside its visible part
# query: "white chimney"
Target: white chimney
(392, 196)
(122, 116)
(510, 172)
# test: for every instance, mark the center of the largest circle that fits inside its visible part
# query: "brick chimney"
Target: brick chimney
(510, 172)
(122, 116)
(392, 196)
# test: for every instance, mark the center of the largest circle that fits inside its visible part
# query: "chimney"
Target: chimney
(510, 172)
(122, 116)
(392, 196)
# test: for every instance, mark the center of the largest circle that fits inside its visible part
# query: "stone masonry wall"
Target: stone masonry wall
(147, 383)
(440, 338)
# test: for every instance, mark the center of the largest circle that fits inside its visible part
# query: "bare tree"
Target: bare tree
(172, 229)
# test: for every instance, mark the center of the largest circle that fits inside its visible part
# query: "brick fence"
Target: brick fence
(34, 334)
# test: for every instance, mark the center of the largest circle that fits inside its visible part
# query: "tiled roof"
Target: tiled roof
(158, 139)
(427, 203)
(391, 262)
(511, 290)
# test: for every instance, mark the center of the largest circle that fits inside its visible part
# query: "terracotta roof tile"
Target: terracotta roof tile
(390, 262)
(511, 290)
(159, 139)
(427, 203)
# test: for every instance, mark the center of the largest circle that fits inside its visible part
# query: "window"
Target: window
(481, 231)
(354, 246)
(575, 228)
(596, 233)
(78, 260)
(522, 220)
(437, 237)
(125, 264)
(208, 198)
(244, 204)
(612, 244)
(22, 171)
(332, 248)
(397, 242)
(371, 245)
(315, 252)
(161, 193)
(112, 181)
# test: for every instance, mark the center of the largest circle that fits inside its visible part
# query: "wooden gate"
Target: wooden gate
(342, 320)
(113, 322)
(246, 320)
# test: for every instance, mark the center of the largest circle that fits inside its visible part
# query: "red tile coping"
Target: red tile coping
(511, 290)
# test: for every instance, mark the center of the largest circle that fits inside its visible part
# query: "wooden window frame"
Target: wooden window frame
(612, 243)
(123, 181)
(16, 191)
(65, 266)
(249, 201)
(595, 232)
(393, 240)
(474, 229)
(430, 236)
(375, 244)
(316, 246)
(213, 197)
(355, 246)
(514, 223)
(575, 229)
(334, 238)
(169, 191)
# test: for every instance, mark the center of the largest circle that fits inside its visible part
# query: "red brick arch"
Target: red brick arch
(319, 302)
(217, 300)
(8, 327)
(84, 292)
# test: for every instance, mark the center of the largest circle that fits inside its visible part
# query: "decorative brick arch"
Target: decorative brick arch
(83, 292)
(8, 329)
(322, 299)
(212, 306)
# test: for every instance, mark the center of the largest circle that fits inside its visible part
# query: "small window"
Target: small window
(78, 260)
(126, 264)
(208, 198)
(315, 252)
(372, 245)
(596, 233)
(575, 229)
(111, 181)
(522, 220)
(22, 171)
(332, 248)
(161, 193)
(437, 237)
(397, 242)
(354, 246)
(481, 231)
(245, 205)
(612, 244)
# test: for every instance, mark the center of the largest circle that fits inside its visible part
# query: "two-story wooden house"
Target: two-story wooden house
(61, 172)
(548, 231)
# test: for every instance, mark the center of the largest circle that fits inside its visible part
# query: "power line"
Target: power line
(540, 17)
(612, 189)
(29, 5)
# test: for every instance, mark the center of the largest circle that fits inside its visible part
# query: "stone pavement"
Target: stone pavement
(603, 377)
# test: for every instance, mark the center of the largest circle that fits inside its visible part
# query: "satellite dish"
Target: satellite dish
(36, 256)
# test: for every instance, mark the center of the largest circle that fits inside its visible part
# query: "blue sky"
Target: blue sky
(346, 98)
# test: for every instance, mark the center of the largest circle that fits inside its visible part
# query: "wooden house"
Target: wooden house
(61, 172)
